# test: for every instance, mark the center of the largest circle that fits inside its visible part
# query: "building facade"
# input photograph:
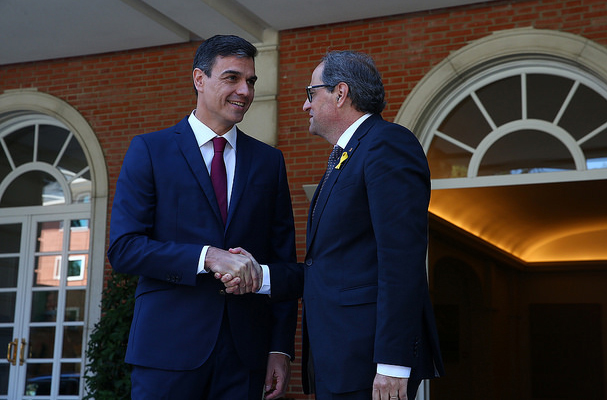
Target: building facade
(509, 100)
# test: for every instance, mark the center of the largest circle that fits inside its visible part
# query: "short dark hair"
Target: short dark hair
(358, 71)
(224, 46)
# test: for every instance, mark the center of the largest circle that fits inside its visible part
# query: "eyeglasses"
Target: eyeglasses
(310, 93)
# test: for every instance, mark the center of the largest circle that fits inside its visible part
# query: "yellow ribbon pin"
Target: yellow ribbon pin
(344, 157)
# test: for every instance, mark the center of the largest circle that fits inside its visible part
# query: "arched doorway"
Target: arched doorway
(51, 263)
(515, 129)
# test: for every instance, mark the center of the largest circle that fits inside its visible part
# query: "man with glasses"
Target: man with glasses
(366, 304)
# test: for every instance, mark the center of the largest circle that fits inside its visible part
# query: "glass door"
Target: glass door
(10, 261)
(42, 306)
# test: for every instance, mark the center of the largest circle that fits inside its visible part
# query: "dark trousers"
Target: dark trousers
(221, 377)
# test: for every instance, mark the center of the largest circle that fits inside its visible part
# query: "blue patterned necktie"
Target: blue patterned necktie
(333, 160)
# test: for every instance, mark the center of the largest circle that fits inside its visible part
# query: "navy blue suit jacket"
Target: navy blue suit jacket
(365, 291)
(164, 212)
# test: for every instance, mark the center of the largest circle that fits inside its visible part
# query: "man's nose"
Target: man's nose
(306, 105)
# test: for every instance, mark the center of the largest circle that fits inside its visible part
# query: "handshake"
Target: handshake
(236, 268)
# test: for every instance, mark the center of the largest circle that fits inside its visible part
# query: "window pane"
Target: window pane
(4, 371)
(10, 238)
(6, 336)
(466, 124)
(39, 378)
(5, 166)
(50, 141)
(7, 307)
(81, 189)
(586, 112)
(518, 153)
(72, 342)
(79, 234)
(502, 100)
(9, 271)
(44, 306)
(74, 305)
(33, 188)
(42, 340)
(50, 236)
(70, 379)
(447, 160)
(595, 150)
(47, 271)
(73, 160)
(546, 95)
(20, 145)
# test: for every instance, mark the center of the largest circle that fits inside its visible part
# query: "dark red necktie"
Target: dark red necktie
(218, 176)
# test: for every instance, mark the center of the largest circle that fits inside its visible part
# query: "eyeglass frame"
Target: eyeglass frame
(308, 88)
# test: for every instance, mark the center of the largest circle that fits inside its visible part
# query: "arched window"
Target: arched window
(521, 117)
(41, 164)
(53, 199)
(510, 106)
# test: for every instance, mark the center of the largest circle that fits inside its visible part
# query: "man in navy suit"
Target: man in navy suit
(172, 226)
(367, 310)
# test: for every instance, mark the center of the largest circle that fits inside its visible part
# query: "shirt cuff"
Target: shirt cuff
(265, 285)
(203, 255)
(395, 371)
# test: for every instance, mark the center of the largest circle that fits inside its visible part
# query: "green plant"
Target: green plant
(107, 376)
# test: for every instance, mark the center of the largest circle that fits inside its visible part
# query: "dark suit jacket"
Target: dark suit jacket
(164, 211)
(365, 295)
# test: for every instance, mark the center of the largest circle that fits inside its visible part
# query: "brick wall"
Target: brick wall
(127, 93)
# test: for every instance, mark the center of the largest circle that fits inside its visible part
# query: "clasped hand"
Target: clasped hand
(237, 269)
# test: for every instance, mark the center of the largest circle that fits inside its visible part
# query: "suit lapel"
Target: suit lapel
(244, 158)
(189, 148)
(321, 198)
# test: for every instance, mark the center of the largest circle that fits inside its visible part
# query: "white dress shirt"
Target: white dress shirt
(204, 137)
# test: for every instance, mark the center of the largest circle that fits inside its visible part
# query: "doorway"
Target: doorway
(44, 268)
(47, 203)
(517, 275)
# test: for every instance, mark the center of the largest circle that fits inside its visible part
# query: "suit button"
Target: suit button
(309, 262)
(222, 292)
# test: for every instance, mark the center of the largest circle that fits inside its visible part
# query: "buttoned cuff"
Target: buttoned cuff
(203, 255)
(395, 371)
(265, 285)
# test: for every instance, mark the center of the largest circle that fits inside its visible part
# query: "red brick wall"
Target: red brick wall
(132, 92)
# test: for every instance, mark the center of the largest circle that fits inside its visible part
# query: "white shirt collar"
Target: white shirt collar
(347, 135)
(203, 133)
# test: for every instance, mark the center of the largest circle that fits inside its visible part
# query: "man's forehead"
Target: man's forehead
(317, 73)
(233, 63)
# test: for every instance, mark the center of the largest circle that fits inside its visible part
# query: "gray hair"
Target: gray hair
(358, 71)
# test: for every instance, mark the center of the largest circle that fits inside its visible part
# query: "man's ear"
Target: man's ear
(198, 77)
(341, 92)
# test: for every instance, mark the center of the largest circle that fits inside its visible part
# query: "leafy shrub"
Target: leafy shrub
(107, 376)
